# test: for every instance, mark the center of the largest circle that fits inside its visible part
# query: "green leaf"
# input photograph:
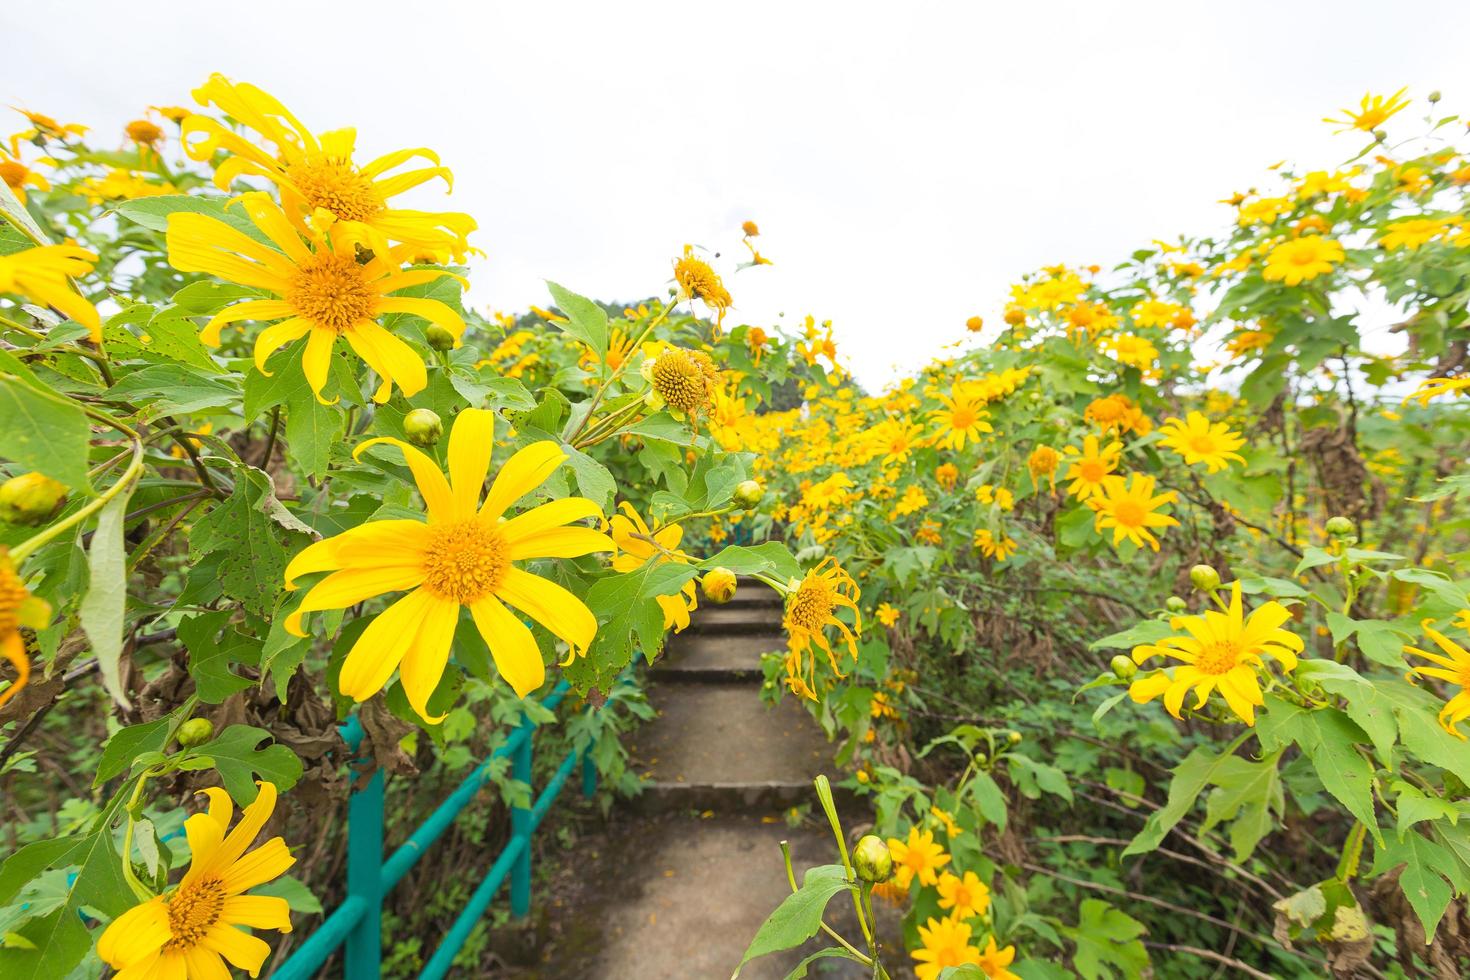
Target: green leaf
(1107, 940)
(51, 946)
(236, 754)
(16, 214)
(1365, 704)
(990, 800)
(1147, 631)
(1190, 778)
(1031, 776)
(586, 321)
(152, 213)
(296, 894)
(177, 389)
(1330, 740)
(312, 430)
(1425, 879)
(799, 916)
(250, 542)
(127, 744)
(104, 606)
(45, 432)
(770, 558)
(211, 655)
(1417, 711)
(1415, 806)
(1249, 794)
(593, 479)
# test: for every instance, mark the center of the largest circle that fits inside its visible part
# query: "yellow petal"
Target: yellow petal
(377, 653)
(269, 860)
(517, 656)
(137, 933)
(351, 586)
(423, 665)
(257, 912)
(240, 948)
(433, 487)
(550, 605)
(522, 473)
(470, 443)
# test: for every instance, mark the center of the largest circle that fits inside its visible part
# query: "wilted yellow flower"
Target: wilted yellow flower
(992, 547)
(18, 608)
(1043, 461)
(1431, 388)
(811, 607)
(1222, 651)
(974, 324)
(684, 380)
(697, 279)
(637, 546)
(144, 132)
(947, 474)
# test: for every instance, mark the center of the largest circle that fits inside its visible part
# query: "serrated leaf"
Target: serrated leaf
(586, 321)
(799, 915)
(236, 755)
(42, 431)
(126, 744)
(1107, 940)
(1424, 879)
(249, 542)
(169, 389)
(1191, 776)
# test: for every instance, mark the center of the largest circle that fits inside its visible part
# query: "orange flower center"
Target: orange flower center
(1091, 470)
(332, 292)
(12, 172)
(811, 608)
(192, 910)
(696, 278)
(962, 418)
(465, 561)
(1129, 513)
(1218, 658)
(685, 379)
(143, 131)
(337, 186)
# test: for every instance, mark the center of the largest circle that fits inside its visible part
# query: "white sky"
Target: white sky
(905, 162)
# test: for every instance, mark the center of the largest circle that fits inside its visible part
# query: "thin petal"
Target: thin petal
(257, 912)
(517, 656)
(423, 665)
(240, 948)
(550, 515)
(433, 487)
(377, 653)
(470, 443)
(351, 586)
(550, 605)
(560, 542)
(270, 860)
(522, 473)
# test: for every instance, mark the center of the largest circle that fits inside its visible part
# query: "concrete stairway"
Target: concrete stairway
(692, 867)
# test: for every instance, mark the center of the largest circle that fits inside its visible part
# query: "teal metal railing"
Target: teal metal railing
(355, 926)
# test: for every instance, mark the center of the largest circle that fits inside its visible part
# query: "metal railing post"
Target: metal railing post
(363, 949)
(520, 826)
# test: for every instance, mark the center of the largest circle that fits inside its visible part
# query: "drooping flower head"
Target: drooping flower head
(1130, 509)
(697, 280)
(463, 556)
(40, 274)
(1452, 666)
(1199, 440)
(323, 291)
(18, 176)
(314, 172)
(1222, 651)
(944, 943)
(637, 546)
(190, 931)
(811, 606)
(1043, 462)
(42, 128)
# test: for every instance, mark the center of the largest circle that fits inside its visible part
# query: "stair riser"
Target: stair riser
(707, 675)
(728, 797)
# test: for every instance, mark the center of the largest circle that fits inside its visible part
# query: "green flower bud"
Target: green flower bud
(423, 427)
(30, 498)
(439, 338)
(1434, 97)
(1340, 527)
(1013, 737)
(1123, 666)
(195, 731)
(1175, 604)
(1204, 578)
(1379, 135)
(718, 585)
(871, 859)
(748, 494)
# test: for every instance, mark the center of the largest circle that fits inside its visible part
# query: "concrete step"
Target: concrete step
(753, 593)
(734, 619)
(718, 747)
(716, 658)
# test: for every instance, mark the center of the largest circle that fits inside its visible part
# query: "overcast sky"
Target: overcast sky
(905, 162)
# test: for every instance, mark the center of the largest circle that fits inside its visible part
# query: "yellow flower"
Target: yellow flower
(1454, 667)
(811, 606)
(963, 897)
(750, 229)
(462, 556)
(40, 274)
(1431, 388)
(17, 175)
(1413, 232)
(1248, 340)
(1372, 112)
(1156, 312)
(1043, 461)
(975, 324)
(946, 820)
(961, 418)
(1090, 465)
(684, 380)
(190, 932)
(1201, 441)
(119, 184)
(945, 943)
(697, 279)
(637, 546)
(896, 439)
(991, 547)
(1302, 259)
(314, 172)
(914, 499)
(322, 292)
(887, 615)
(947, 474)
(17, 608)
(144, 132)
(918, 857)
(43, 128)
(1222, 651)
(994, 961)
(1090, 319)
(1263, 211)
(1131, 510)
(1131, 349)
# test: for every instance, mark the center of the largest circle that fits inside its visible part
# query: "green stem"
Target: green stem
(142, 891)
